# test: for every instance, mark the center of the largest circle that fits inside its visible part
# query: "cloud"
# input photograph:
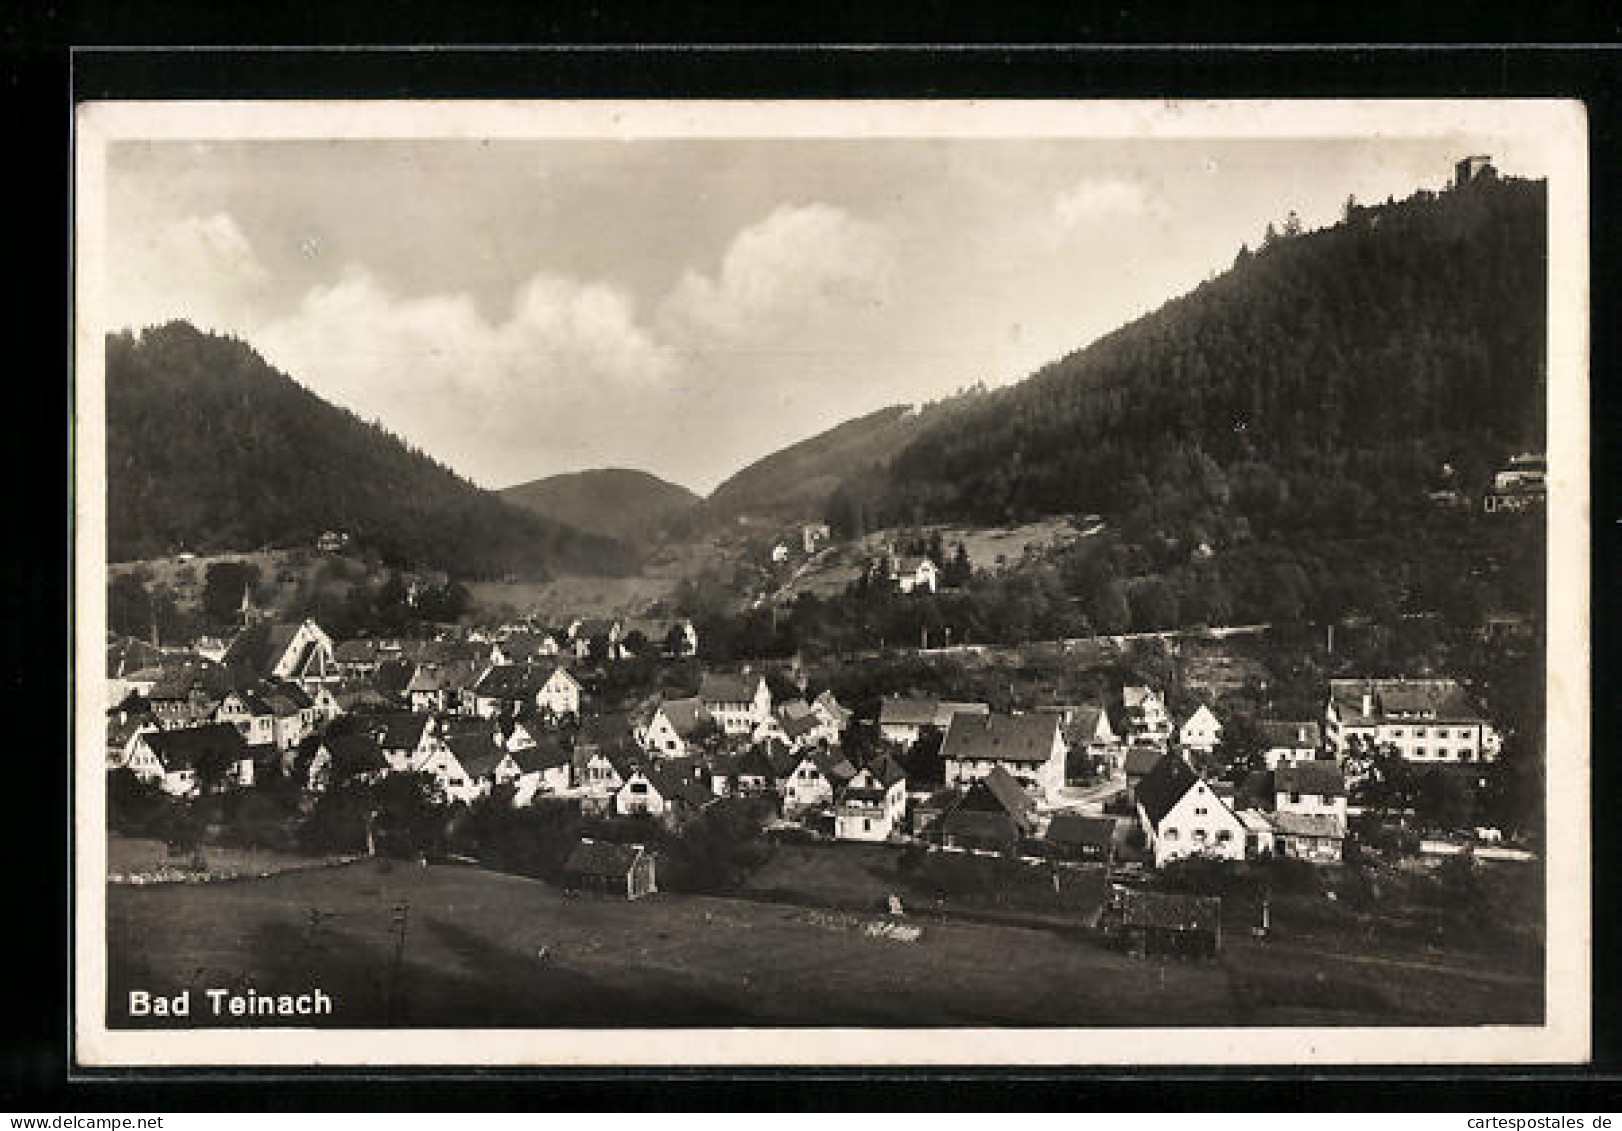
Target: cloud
(484, 395)
(800, 267)
(1092, 200)
(199, 267)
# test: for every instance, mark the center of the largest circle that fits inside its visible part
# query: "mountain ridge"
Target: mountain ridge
(617, 502)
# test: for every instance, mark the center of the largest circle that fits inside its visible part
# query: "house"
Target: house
(400, 736)
(995, 813)
(662, 791)
(440, 687)
(597, 637)
(1183, 816)
(912, 574)
(332, 541)
(270, 711)
(186, 696)
(813, 535)
(132, 665)
(873, 805)
(1029, 748)
(1201, 732)
(355, 754)
(816, 779)
(599, 866)
(902, 720)
(1146, 712)
(301, 653)
(600, 773)
(463, 762)
(1082, 838)
(122, 727)
(796, 726)
(675, 638)
(357, 659)
(738, 703)
(1088, 729)
(542, 768)
(1426, 720)
(780, 552)
(744, 774)
(1309, 821)
(1285, 743)
(523, 648)
(677, 727)
(1137, 763)
(835, 716)
(180, 760)
(1168, 923)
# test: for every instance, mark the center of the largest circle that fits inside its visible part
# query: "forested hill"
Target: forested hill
(796, 482)
(210, 449)
(1320, 384)
(612, 501)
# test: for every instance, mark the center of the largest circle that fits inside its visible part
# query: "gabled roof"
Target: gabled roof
(673, 785)
(1092, 832)
(1024, 739)
(1168, 911)
(513, 681)
(1307, 824)
(1277, 734)
(1203, 713)
(546, 754)
(887, 770)
(477, 754)
(916, 710)
(1134, 696)
(1436, 699)
(179, 682)
(1164, 786)
(126, 655)
(830, 703)
(1319, 776)
(685, 716)
(1085, 721)
(401, 730)
(783, 761)
(603, 860)
(798, 726)
(1140, 760)
(721, 687)
(180, 749)
(355, 651)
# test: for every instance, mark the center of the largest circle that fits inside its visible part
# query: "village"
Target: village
(522, 716)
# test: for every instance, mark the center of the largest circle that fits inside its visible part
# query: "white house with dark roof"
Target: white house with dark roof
(903, 718)
(1426, 720)
(1146, 712)
(911, 574)
(1183, 816)
(873, 805)
(738, 703)
(815, 780)
(1029, 748)
(1200, 732)
(675, 726)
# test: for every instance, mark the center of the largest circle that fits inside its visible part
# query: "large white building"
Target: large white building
(1426, 720)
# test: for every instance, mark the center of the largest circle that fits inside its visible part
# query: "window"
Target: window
(1295, 799)
(1419, 732)
(1170, 834)
(1224, 836)
(639, 787)
(867, 825)
(1199, 810)
(1419, 752)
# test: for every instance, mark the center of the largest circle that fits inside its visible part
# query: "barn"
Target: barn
(601, 866)
(1162, 923)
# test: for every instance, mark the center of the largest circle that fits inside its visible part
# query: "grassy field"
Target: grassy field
(473, 956)
(146, 857)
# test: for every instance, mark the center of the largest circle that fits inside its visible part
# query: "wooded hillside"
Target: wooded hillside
(211, 449)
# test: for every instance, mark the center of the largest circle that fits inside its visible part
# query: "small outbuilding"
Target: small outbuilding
(601, 866)
(1082, 838)
(1164, 923)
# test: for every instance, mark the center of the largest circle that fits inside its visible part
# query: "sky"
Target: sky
(519, 309)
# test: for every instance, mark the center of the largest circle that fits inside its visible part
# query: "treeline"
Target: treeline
(1322, 386)
(210, 449)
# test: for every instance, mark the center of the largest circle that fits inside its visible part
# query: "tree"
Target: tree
(129, 606)
(224, 586)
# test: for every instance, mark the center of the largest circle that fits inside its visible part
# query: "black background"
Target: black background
(49, 61)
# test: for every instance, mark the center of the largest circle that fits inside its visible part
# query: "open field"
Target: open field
(473, 956)
(145, 857)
